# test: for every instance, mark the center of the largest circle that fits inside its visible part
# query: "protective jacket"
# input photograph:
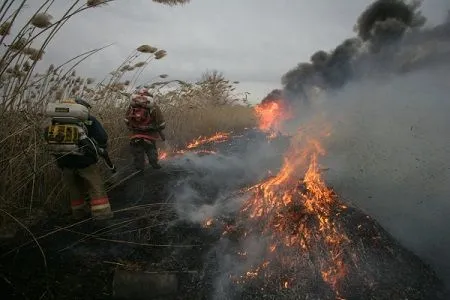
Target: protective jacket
(97, 138)
(152, 130)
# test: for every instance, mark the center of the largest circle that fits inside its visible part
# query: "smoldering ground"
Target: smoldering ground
(211, 190)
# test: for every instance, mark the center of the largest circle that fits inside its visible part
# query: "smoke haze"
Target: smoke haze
(210, 188)
(389, 155)
(386, 94)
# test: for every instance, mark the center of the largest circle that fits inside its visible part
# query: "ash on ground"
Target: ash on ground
(149, 234)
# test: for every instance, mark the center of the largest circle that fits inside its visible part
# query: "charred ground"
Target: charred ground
(148, 234)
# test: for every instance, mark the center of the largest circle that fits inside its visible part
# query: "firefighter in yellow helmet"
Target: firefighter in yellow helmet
(78, 154)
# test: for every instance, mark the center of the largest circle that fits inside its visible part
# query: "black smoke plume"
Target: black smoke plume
(381, 27)
(273, 96)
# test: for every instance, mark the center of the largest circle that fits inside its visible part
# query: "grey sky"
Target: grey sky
(252, 41)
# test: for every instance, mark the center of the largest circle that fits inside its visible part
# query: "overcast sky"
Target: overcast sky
(252, 41)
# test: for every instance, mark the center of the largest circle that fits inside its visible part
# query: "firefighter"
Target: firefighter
(81, 172)
(145, 121)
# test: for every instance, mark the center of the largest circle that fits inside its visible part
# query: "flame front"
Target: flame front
(218, 137)
(196, 143)
(271, 115)
(295, 211)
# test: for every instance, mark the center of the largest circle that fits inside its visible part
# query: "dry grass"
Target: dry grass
(30, 183)
(29, 180)
(183, 126)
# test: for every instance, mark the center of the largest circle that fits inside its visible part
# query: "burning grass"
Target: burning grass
(218, 137)
(295, 217)
(272, 114)
(206, 122)
(294, 238)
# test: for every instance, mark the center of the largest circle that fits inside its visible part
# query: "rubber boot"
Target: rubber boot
(153, 161)
(101, 209)
(155, 164)
(79, 210)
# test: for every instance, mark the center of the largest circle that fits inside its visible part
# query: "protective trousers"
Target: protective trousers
(141, 148)
(87, 182)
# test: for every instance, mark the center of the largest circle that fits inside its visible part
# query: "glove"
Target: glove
(101, 150)
(88, 148)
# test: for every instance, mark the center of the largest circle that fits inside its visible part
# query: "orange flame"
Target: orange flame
(288, 204)
(218, 137)
(208, 223)
(271, 115)
(162, 154)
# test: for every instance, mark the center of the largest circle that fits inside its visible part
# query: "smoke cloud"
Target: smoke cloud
(385, 94)
(388, 154)
(381, 27)
(211, 187)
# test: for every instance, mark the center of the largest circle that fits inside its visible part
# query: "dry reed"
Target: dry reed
(30, 184)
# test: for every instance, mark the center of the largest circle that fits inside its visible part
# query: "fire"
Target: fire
(162, 154)
(271, 115)
(295, 211)
(208, 222)
(218, 137)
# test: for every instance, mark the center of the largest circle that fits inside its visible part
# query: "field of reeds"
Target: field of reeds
(30, 184)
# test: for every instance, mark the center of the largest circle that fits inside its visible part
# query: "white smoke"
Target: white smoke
(389, 154)
(211, 188)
